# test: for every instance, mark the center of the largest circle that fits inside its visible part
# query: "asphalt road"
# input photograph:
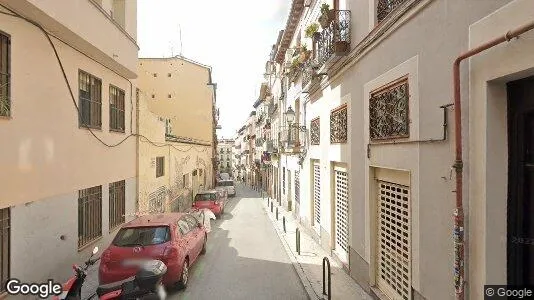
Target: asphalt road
(245, 258)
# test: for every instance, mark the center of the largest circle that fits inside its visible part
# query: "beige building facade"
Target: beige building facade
(65, 188)
(177, 132)
(225, 156)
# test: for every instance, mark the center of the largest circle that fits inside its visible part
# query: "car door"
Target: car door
(186, 242)
(197, 237)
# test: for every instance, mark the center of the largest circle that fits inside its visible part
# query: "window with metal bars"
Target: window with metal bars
(160, 166)
(90, 106)
(5, 76)
(5, 232)
(116, 109)
(185, 180)
(117, 203)
(89, 215)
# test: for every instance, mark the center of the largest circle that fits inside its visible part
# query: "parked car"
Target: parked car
(228, 185)
(214, 200)
(224, 176)
(177, 239)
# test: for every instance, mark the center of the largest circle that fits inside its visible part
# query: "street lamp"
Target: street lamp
(290, 116)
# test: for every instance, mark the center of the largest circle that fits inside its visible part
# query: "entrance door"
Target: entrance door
(520, 252)
(341, 198)
(289, 195)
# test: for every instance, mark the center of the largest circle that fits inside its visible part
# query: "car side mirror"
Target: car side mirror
(95, 250)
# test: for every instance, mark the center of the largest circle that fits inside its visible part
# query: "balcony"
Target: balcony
(308, 73)
(259, 142)
(334, 40)
(292, 139)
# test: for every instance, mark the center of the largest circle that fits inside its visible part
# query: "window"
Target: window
(169, 96)
(5, 232)
(185, 181)
(5, 78)
(315, 131)
(338, 125)
(169, 75)
(388, 111)
(160, 166)
(153, 96)
(195, 173)
(116, 109)
(117, 203)
(142, 236)
(200, 172)
(155, 74)
(89, 215)
(90, 106)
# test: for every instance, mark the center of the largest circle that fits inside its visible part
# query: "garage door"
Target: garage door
(394, 252)
(317, 196)
(341, 213)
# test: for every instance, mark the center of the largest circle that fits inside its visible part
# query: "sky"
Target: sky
(234, 37)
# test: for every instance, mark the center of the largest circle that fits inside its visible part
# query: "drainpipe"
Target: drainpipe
(459, 258)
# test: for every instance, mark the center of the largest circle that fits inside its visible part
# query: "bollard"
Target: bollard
(297, 240)
(325, 260)
(271, 206)
(284, 223)
(277, 213)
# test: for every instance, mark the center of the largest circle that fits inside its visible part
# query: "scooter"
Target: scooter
(145, 285)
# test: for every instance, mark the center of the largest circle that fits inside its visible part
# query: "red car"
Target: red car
(177, 239)
(214, 200)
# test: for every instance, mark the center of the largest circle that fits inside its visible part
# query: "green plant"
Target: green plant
(304, 48)
(295, 63)
(325, 8)
(311, 29)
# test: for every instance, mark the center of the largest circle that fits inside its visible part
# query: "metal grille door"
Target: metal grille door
(394, 252)
(297, 187)
(317, 194)
(342, 214)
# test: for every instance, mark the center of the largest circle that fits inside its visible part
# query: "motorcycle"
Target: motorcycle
(145, 285)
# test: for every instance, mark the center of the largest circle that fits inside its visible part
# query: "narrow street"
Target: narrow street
(245, 258)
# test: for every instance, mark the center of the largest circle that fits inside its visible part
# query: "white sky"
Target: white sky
(232, 36)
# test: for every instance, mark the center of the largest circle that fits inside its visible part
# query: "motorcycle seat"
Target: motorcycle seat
(113, 286)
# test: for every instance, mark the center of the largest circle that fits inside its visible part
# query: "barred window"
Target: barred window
(338, 125)
(185, 180)
(90, 106)
(160, 166)
(89, 215)
(116, 109)
(389, 111)
(315, 131)
(117, 203)
(5, 76)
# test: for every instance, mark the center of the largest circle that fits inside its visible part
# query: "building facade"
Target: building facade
(390, 117)
(69, 120)
(225, 156)
(176, 160)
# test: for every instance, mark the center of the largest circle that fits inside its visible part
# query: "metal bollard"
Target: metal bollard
(277, 213)
(325, 260)
(271, 206)
(297, 240)
(284, 223)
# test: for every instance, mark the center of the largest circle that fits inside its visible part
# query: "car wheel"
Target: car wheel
(204, 246)
(184, 277)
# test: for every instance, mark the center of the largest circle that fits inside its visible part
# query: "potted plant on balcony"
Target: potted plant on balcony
(327, 15)
(304, 54)
(312, 31)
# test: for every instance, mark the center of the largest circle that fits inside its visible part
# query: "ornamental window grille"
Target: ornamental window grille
(385, 7)
(315, 131)
(389, 111)
(338, 125)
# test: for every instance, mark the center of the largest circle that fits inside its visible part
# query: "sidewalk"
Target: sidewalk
(309, 263)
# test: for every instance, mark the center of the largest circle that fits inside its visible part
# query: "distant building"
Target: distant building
(225, 154)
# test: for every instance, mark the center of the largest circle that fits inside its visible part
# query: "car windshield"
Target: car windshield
(225, 183)
(142, 236)
(206, 197)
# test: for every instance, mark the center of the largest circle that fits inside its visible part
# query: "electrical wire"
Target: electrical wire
(73, 98)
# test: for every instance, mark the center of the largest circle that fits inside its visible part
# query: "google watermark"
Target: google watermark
(508, 292)
(42, 290)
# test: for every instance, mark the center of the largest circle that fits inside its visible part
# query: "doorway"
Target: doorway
(520, 226)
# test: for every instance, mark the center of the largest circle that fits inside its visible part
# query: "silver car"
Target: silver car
(227, 185)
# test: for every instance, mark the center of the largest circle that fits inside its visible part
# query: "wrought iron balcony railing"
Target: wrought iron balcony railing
(384, 7)
(308, 72)
(335, 39)
(292, 138)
